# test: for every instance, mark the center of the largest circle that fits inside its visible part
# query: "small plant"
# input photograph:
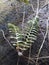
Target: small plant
(25, 1)
(23, 41)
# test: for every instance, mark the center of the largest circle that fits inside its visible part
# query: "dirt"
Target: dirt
(9, 56)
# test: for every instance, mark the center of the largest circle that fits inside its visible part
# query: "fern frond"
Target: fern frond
(24, 40)
(13, 28)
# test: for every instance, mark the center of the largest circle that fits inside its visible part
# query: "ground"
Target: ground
(8, 13)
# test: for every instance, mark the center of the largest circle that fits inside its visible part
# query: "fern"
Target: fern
(13, 28)
(22, 41)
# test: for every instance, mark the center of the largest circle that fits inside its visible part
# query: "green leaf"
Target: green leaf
(25, 1)
(24, 40)
(13, 28)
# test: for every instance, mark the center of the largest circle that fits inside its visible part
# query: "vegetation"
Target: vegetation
(24, 40)
(25, 1)
(24, 32)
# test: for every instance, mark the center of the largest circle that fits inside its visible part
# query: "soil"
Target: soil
(9, 56)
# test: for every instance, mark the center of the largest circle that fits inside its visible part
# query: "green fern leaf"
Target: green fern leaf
(24, 40)
(13, 28)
